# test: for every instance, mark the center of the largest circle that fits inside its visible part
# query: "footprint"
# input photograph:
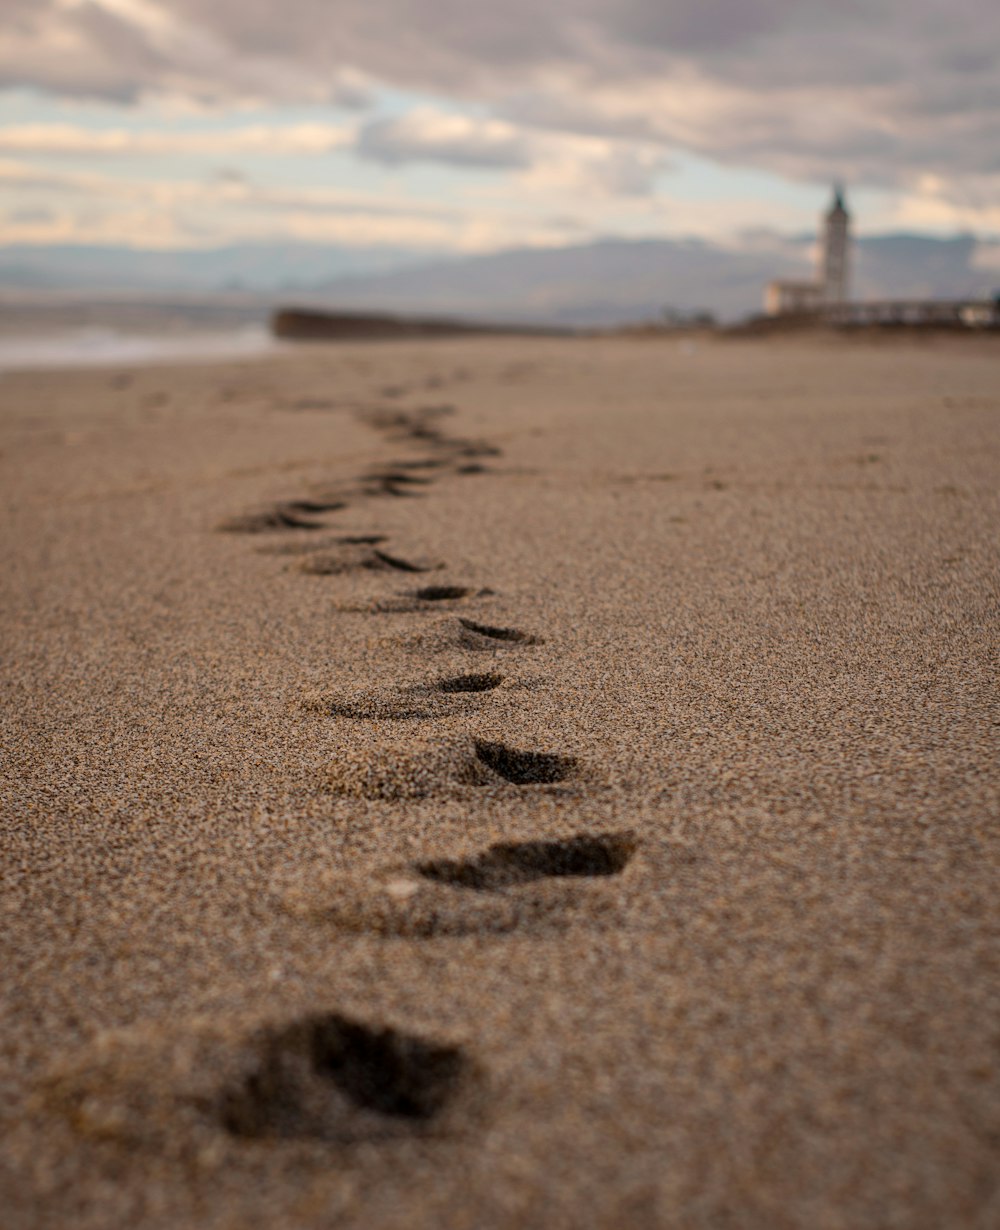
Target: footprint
(394, 561)
(361, 554)
(470, 683)
(409, 424)
(370, 705)
(280, 517)
(418, 463)
(472, 448)
(340, 561)
(441, 462)
(445, 636)
(519, 862)
(439, 767)
(393, 482)
(400, 474)
(329, 544)
(510, 886)
(313, 506)
(524, 768)
(328, 1077)
(491, 633)
(422, 700)
(182, 1089)
(411, 601)
(443, 593)
(419, 425)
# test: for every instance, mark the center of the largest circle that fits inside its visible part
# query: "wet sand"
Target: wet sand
(503, 783)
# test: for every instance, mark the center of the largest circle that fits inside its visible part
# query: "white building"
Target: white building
(836, 250)
(831, 287)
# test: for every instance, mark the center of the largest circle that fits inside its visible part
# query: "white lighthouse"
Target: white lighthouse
(830, 289)
(836, 246)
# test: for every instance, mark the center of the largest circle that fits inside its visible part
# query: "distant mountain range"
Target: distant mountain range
(607, 282)
(260, 268)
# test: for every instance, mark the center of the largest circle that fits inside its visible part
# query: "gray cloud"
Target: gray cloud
(623, 169)
(879, 92)
(462, 143)
(29, 216)
(88, 51)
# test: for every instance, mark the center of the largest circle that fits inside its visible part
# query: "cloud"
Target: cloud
(96, 208)
(63, 139)
(30, 216)
(545, 161)
(972, 205)
(434, 136)
(124, 50)
(85, 50)
(882, 94)
(588, 166)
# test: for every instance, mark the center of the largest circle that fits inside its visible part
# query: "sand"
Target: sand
(503, 783)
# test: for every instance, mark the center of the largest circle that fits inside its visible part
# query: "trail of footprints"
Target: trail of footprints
(331, 1077)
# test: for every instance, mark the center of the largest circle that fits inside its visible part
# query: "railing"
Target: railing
(964, 313)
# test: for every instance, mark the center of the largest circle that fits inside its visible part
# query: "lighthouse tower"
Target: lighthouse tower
(836, 242)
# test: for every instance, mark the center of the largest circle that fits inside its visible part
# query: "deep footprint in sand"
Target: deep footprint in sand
(537, 885)
(397, 482)
(361, 555)
(403, 565)
(524, 768)
(419, 426)
(470, 683)
(329, 1077)
(412, 601)
(418, 463)
(421, 700)
(482, 634)
(280, 517)
(314, 547)
(443, 593)
(520, 862)
(420, 769)
(182, 1088)
(314, 506)
(408, 424)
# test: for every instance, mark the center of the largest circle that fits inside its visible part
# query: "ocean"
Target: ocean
(103, 346)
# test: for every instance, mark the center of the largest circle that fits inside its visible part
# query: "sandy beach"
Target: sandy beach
(503, 783)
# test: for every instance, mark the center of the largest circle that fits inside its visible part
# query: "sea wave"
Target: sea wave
(107, 347)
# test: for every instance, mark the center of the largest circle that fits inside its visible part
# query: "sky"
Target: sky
(460, 126)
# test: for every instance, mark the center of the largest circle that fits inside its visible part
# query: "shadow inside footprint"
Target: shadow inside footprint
(442, 593)
(330, 1077)
(357, 554)
(519, 862)
(398, 475)
(313, 506)
(418, 463)
(282, 517)
(392, 484)
(524, 768)
(498, 634)
(470, 683)
(404, 565)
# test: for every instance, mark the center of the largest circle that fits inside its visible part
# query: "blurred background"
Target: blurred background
(172, 169)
